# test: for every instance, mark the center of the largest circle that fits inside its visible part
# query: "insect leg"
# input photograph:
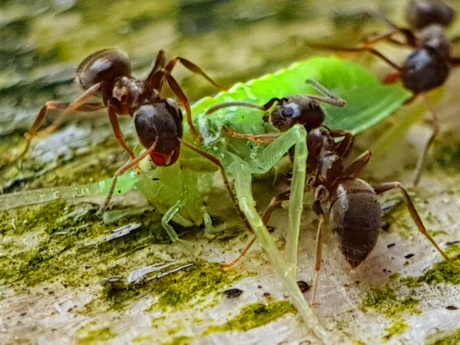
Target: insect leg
(360, 162)
(242, 255)
(274, 203)
(78, 104)
(234, 104)
(261, 139)
(319, 250)
(117, 131)
(243, 183)
(124, 168)
(151, 79)
(435, 124)
(193, 68)
(343, 148)
(167, 218)
(185, 102)
(384, 187)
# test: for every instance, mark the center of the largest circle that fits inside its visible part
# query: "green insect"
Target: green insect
(182, 199)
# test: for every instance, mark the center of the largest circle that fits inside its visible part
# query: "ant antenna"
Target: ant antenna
(328, 97)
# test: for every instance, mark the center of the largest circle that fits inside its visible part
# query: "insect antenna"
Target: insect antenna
(233, 104)
(328, 97)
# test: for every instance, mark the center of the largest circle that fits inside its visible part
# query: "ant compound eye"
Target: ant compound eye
(288, 112)
(291, 110)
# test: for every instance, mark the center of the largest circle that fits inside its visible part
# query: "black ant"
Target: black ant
(158, 121)
(428, 66)
(348, 203)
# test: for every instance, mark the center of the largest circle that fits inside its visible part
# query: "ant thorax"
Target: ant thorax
(131, 94)
(434, 36)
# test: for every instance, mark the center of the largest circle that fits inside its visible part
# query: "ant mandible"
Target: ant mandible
(349, 203)
(428, 66)
(158, 121)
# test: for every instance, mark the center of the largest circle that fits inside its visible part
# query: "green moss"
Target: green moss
(183, 340)
(387, 302)
(54, 241)
(444, 338)
(254, 315)
(447, 156)
(397, 327)
(202, 280)
(442, 272)
(176, 290)
(453, 251)
(145, 339)
(357, 342)
(88, 335)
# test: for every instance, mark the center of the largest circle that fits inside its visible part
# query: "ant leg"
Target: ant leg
(319, 250)
(358, 164)
(124, 168)
(37, 123)
(117, 131)
(387, 36)
(33, 132)
(185, 102)
(343, 148)
(411, 40)
(193, 68)
(78, 104)
(435, 124)
(384, 187)
(274, 203)
(376, 53)
(360, 49)
(242, 255)
(157, 66)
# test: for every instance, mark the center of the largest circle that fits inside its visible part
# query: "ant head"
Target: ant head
(422, 13)
(160, 123)
(424, 69)
(297, 110)
(103, 66)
